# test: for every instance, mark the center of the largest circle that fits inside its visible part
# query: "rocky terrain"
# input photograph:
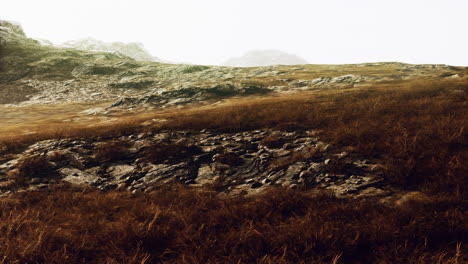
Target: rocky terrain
(82, 72)
(245, 162)
(135, 51)
(231, 163)
(109, 157)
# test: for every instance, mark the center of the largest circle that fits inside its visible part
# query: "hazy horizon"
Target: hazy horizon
(210, 32)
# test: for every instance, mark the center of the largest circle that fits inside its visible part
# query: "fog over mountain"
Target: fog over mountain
(209, 32)
(256, 58)
(133, 50)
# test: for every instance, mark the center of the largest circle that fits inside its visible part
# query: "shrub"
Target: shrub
(194, 68)
(273, 141)
(32, 167)
(230, 159)
(170, 151)
(111, 151)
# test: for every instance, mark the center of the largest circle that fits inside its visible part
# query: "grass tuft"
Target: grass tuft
(180, 225)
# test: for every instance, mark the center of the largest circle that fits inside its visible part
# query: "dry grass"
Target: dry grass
(111, 151)
(178, 225)
(417, 130)
(273, 141)
(31, 167)
(230, 159)
(169, 151)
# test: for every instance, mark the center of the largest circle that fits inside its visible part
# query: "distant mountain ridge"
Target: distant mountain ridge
(133, 50)
(36, 72)
(257, 58)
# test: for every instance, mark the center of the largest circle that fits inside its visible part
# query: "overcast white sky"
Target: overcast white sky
(210, 31)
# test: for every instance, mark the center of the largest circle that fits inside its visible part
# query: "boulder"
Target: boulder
(78, 177)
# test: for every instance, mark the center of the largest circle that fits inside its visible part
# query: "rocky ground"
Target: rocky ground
(32, 73)
(244, 162)
(35, 74)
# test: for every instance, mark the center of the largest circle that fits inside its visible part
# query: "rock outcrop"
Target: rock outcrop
(190, 94)
(245, 162)
(11, 33)
(133, 50)
(35, 72)
(345, 81)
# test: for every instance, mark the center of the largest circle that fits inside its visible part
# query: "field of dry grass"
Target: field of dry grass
(179, 225)
(417, 130)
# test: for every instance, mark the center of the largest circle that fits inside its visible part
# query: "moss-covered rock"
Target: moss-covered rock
(193, 68)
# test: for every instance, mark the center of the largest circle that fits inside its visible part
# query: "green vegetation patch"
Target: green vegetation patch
(194, 68)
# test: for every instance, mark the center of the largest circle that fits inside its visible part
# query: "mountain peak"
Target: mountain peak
(10, 32)
(255, 58)
(134, 50)
(11, 27)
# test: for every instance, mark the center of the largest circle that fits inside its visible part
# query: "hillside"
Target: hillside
(37, 74)
(135, 51)
(109, 159)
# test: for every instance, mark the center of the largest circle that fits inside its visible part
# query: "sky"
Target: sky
(211, 31)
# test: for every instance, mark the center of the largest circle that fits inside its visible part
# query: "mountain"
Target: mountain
(133, 50)
(89, 71)
(10, 31)
(277, 164)
(257, 58)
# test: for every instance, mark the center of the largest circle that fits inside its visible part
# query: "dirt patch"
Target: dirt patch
(13, 94)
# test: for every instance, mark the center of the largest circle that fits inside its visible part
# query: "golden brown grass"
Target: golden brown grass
(178, 225)
(230, 159)
(417, 130)
(111, 151)
(164, 151)
(29, 168)
(273, 141)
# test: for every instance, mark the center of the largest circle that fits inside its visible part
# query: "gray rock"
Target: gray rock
(9, 165)
(120, 171)
(95, 111)
(75, 163)
(78, 177)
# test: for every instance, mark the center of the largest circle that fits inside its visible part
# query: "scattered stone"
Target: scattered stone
(234, 162)
(78, 177)
(95, 111)
(120, 171)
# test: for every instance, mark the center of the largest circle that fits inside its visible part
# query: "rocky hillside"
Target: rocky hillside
(360, 163)
(133, 50)
(43, 74)
(247, 161)
(258, 58)
(229, 162)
